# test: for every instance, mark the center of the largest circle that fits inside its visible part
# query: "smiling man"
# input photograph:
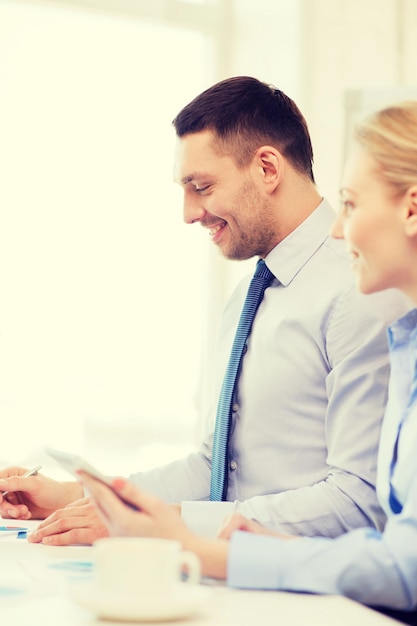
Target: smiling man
(307, 404)
(226, 199)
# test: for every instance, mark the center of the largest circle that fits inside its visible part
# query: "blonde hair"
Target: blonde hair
(390, 135)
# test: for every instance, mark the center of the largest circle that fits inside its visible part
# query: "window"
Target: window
(99, 329)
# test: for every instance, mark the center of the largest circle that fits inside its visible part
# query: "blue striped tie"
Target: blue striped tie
(396, 506)
(260, 281)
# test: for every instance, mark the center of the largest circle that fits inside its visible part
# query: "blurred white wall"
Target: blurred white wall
(351, 45)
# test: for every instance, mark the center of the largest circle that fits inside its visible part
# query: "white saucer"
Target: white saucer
(183, 601)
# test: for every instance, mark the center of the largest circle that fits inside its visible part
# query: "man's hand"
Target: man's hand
(78, 523)
(34, 497)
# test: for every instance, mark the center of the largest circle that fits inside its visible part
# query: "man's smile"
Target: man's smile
(215, 229)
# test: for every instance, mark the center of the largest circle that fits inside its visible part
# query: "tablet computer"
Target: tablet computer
(73, 462)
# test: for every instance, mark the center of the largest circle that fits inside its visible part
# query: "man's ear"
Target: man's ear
(270, 165)
(411, 214)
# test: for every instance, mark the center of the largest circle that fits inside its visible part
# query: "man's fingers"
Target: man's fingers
(19, 483)
(74, 536)
(14, 511)
(73, 529)
(70, 516)
(12, 471)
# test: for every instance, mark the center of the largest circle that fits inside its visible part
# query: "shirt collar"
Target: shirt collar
(403, 330)
(293, 252)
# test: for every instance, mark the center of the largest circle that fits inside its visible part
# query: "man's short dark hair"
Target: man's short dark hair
(244, 114)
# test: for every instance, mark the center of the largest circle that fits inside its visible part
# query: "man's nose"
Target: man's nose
(193, 211)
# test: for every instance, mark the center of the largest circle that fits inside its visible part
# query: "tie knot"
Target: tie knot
(262, 271)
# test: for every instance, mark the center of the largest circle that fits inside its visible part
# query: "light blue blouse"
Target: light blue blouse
(369, 566)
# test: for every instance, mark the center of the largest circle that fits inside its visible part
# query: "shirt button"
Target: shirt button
(233, 465)
(235, 407)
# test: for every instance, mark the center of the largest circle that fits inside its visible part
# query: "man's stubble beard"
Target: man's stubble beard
(257, 234)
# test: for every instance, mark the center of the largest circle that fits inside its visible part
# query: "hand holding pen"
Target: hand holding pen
(8, 506)
(31, 495)
(31, 472)
(19, 531)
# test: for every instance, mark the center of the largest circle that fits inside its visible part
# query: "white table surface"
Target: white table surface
(46, 600)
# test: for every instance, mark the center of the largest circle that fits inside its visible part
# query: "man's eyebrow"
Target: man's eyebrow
(192, 176)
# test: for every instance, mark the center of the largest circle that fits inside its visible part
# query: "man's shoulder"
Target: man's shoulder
(336, 248)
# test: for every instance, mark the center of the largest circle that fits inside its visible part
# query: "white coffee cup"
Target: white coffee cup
(136, 565)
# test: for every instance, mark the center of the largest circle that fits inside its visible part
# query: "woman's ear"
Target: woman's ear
(270, 166)
(411, 215)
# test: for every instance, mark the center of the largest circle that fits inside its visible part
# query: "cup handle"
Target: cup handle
(192, 565)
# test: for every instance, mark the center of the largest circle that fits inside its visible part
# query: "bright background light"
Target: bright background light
(109, 303)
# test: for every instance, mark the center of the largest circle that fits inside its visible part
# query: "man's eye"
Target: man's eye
(202, 189)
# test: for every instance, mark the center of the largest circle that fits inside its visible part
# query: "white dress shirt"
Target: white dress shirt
(366, 565)
(309, 400)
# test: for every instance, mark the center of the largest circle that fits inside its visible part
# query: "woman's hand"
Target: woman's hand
(236, 521)
(153, 518)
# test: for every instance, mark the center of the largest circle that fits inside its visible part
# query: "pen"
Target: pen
(31, 472)
(18, 532)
